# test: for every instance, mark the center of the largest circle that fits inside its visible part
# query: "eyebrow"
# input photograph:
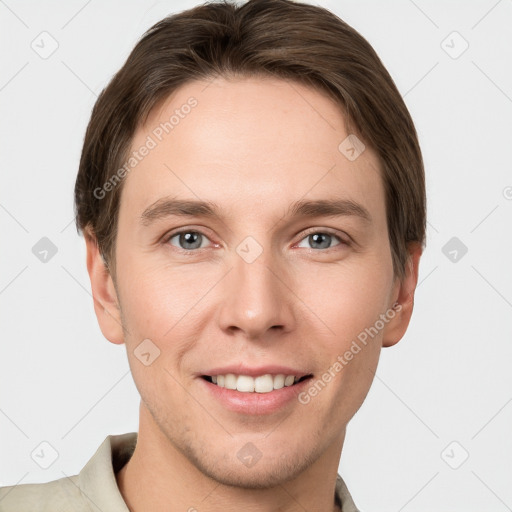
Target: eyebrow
(166, 207)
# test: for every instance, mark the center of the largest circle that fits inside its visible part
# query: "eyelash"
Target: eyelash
(342, 242)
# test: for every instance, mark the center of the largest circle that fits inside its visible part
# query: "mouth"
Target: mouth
(258, 384)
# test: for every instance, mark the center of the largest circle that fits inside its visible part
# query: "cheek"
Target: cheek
(166, 305)
(154, 296)
(157, 305)
(352, 309)
(347, 298)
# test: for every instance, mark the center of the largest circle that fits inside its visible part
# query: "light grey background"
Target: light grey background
(443, 393)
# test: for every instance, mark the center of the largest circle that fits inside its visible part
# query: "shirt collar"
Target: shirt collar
(97, 480)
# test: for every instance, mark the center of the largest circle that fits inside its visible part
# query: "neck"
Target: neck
(158, 477)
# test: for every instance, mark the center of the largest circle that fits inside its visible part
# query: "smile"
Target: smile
(258, 384)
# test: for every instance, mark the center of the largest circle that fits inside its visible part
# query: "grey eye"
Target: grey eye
(188, 240)
(320, 240)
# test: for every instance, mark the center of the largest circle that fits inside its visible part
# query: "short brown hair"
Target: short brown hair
(279, 38)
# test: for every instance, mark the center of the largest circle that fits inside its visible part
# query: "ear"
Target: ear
(106, 304)
(403, 298)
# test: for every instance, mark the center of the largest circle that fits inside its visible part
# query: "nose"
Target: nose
(256, 298)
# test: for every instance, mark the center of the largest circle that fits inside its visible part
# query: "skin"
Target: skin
(253, 146)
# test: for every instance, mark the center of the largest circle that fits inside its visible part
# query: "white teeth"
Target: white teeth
(279, 381)
(247, 384)
(230, 381)
(289, 380)
(264, 384)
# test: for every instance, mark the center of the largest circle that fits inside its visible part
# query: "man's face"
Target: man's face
(256, 290)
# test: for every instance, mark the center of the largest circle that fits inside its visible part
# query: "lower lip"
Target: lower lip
(255, 403)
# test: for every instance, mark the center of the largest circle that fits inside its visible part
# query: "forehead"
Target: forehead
(253, 143)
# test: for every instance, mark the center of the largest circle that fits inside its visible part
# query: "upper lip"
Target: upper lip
(255, 371)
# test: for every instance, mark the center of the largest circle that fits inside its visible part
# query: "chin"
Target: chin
(265, 474)
(246, 460)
